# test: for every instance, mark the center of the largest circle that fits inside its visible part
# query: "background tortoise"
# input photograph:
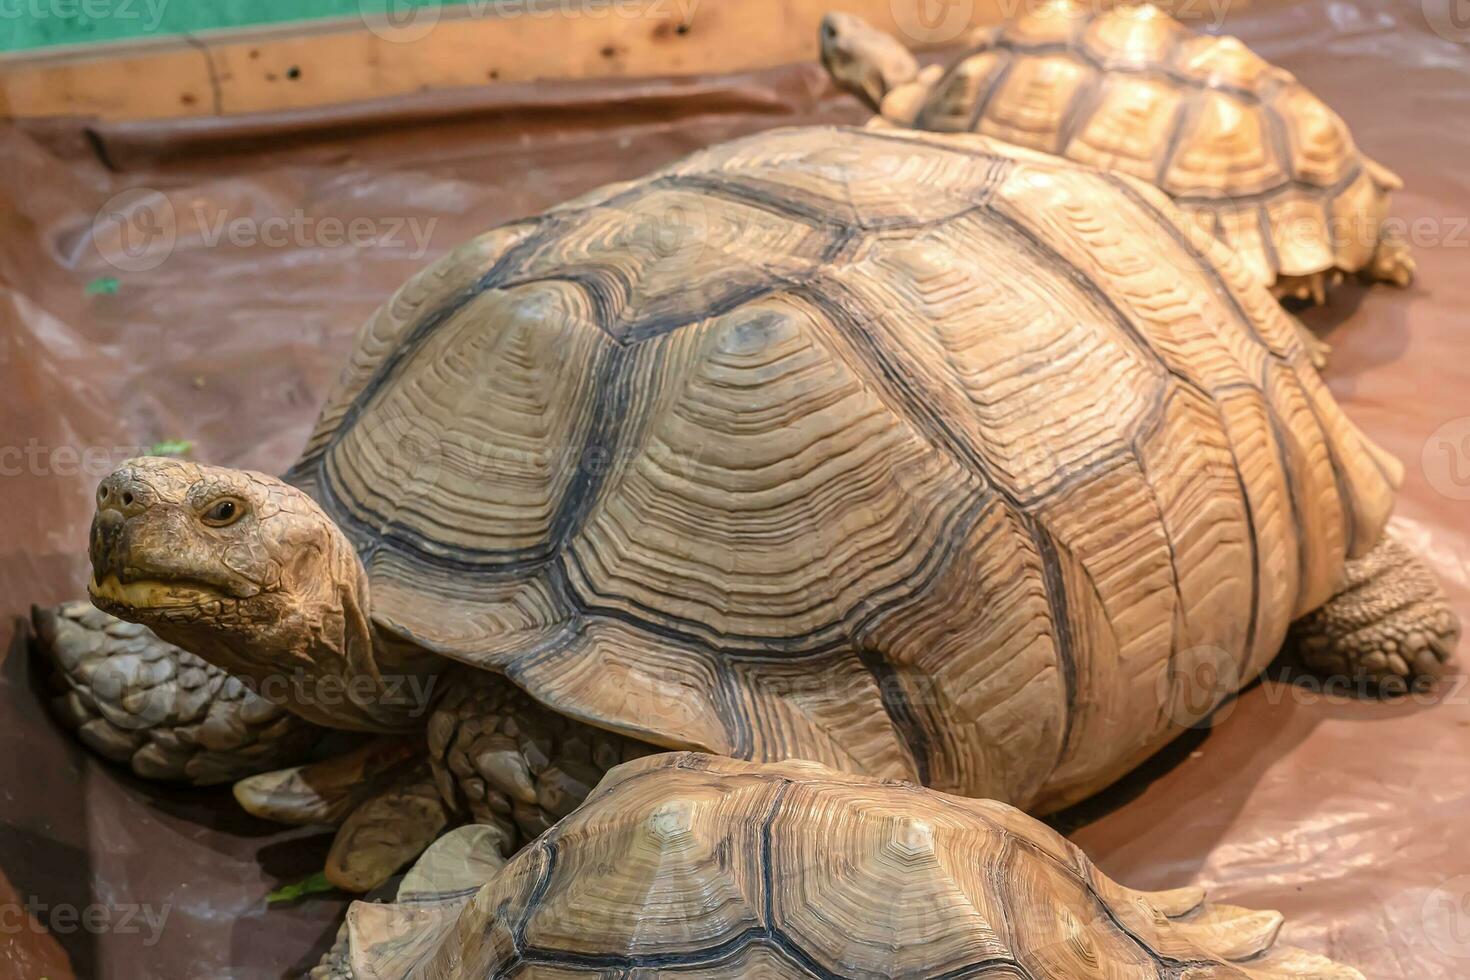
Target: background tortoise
(698, 866)
(919, 456)
(1244, 149)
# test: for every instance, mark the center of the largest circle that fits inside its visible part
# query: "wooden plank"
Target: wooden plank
(325, 63)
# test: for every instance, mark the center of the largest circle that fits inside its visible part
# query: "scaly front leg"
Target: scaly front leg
(509, 761)
(159, 710)
(494, 757)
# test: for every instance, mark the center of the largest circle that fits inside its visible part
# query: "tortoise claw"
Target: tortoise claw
(325, 792)
(386, 831)
(1390, 626)
(1391, 262)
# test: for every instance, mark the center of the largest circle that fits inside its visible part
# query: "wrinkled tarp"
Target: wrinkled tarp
(1347, 815)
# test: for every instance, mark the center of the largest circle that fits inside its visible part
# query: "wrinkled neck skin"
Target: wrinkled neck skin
(314, 650)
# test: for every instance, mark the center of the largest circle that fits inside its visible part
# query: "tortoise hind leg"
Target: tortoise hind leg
(1390, 624)
(1391, 261)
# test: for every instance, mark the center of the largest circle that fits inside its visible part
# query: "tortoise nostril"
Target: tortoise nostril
(121, 493)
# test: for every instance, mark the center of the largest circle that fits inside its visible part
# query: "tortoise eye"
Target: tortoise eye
(223, 513)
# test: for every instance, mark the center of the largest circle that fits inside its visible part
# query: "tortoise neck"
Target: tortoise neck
(350, 674)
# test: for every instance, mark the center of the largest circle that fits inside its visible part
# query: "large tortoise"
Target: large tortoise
(702, 867)
(920, 456)
(1244, 149)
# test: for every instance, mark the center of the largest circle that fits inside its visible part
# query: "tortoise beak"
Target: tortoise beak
(122, 500)
(108, 548)
(118, 586)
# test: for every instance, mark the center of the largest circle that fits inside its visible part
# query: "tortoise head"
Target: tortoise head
(174, 542)
(864, 60)
(246, 571)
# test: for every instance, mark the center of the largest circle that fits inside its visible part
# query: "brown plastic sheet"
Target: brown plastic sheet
(1350, 816)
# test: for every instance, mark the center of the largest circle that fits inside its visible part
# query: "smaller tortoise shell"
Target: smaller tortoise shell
(700, 866)
(1245, 149)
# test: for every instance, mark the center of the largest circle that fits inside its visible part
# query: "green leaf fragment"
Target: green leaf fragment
(105, 286)
(171, 447)
(306, 886)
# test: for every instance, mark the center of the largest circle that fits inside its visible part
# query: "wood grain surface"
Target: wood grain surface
(425, 48)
